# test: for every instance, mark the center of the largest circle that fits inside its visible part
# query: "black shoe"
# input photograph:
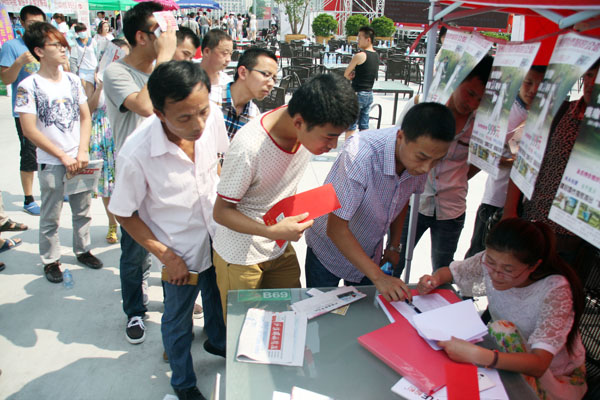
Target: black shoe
(136, 330)
(213, 350)
(189, 394)
(53, 272)
(89, 260)
(2, 266)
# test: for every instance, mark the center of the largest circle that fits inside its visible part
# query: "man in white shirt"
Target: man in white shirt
(217, 47)
(167, 172)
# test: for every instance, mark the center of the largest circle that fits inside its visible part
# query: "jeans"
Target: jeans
(444, 239)
(135, 262)
(365, 100)
(177, 324)
(318, 276)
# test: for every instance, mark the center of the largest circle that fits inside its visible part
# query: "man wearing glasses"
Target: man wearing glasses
(254, 79)
(128, 104)
(16, 64)
(217, 47)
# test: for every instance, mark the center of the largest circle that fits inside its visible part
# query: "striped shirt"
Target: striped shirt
(233, 121)
(371, 195)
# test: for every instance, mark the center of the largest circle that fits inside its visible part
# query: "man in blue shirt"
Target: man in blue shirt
(16, 64)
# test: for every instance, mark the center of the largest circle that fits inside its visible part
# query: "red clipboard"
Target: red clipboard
(316, 202)
(402, 349)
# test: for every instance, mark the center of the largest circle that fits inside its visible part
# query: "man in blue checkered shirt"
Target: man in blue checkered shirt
(374, 177)
(254, 79)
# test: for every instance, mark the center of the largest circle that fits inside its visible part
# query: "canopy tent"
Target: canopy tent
(555, 16)
(168, 5)
(208, 4)
(110, 5)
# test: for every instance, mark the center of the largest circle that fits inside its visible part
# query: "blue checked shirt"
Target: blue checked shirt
(371, 195)
(233, 121)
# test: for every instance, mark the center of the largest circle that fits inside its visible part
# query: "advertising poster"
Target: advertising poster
(572, 56)
(450, 53)
(16, 5)
(577, 202)
(6, 30)
(489, 138)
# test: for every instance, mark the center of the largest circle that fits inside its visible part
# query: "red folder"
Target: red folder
(316, 202)
(462, 382)
(401, 348)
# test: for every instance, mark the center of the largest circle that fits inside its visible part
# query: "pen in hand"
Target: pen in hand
(413, 306)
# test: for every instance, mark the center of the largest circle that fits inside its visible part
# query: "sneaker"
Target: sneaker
(89, 260)
(146, 298)
(213, 350)
(198, 311)
(189, 394)
(32, 208)
(136, 330)
(53, 272)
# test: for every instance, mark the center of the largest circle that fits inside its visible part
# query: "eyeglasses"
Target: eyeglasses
(500, 272)
(58, 45)
(267, 75)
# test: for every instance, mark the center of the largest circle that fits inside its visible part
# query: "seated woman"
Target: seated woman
(535, 300)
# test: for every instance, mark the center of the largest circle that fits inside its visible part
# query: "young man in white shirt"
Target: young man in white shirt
(187, 44)
(263, 165)
(55, 116)
(217, 47)
(167, 172)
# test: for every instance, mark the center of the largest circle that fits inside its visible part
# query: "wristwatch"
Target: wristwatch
(397, 249)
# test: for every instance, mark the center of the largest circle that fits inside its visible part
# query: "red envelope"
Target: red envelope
(316, 202)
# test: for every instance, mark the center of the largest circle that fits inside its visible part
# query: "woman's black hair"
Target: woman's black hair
(532, 241)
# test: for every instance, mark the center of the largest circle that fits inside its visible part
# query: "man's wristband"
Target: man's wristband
(397, 249)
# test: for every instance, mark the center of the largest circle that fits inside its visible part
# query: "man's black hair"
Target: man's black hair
(136, 19)
(37, 34)
(443, 31)
(482, 70)
(80, 27)
(184, 33)
(325, 99)
(30, 10)
(213, 38)
(249, 58)
(368, 32)
(539, 68)
(429, 119)
(120, 42)
(174, 81)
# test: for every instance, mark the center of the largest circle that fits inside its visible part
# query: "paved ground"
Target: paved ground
(70, 344)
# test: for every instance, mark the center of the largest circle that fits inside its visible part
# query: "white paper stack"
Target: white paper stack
(459, 320)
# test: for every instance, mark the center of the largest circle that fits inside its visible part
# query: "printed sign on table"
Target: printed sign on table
(572, 56)
(577, 202)
(490, 131)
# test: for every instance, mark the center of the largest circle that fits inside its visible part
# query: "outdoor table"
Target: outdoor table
(337, 365)
(392, 87)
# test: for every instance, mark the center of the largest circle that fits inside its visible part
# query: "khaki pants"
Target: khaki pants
(281, 272)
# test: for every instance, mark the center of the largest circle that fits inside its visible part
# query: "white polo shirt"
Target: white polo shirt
(173, 195)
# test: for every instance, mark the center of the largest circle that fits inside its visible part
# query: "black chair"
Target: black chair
(414, 74)
(589, 324)
(396, 69)
(379, 112)
(301, 61)
(275, 99)
(285, 51)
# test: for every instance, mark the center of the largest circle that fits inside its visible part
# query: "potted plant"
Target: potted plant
(296, 11)
(384, 28)
(353, 24)
(324, 26)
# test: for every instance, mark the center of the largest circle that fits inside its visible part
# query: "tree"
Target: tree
(383, 26)
(260, 9)
(324, 25)
(354, 23)
(296, 11)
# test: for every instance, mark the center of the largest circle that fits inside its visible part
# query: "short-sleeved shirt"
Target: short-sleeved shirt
(56, 105)
(173, 195)
(120, 81)
(256, 174)
(371, 194)
(233, 121)
(216, 91)
(9, 53)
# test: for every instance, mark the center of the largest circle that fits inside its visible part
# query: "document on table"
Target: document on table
(460, 320)
(273, 338)
(322, 303)
(490, 388)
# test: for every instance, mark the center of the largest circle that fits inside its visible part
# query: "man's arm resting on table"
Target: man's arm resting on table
(393, 289)
(139, 231)
(226, 213)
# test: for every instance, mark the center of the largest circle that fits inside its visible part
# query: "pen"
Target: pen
(413, 306)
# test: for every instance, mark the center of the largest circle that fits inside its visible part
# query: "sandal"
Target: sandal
(10, 244)
(111, 236)
(11, 225)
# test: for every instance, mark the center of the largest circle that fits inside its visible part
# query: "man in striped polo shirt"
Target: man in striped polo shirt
(374, 178)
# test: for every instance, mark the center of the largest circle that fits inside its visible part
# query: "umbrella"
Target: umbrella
(110, 5)
(168, 5)
(208, 4)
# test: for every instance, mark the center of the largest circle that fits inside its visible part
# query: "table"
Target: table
(337, 366)
(393, 87)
